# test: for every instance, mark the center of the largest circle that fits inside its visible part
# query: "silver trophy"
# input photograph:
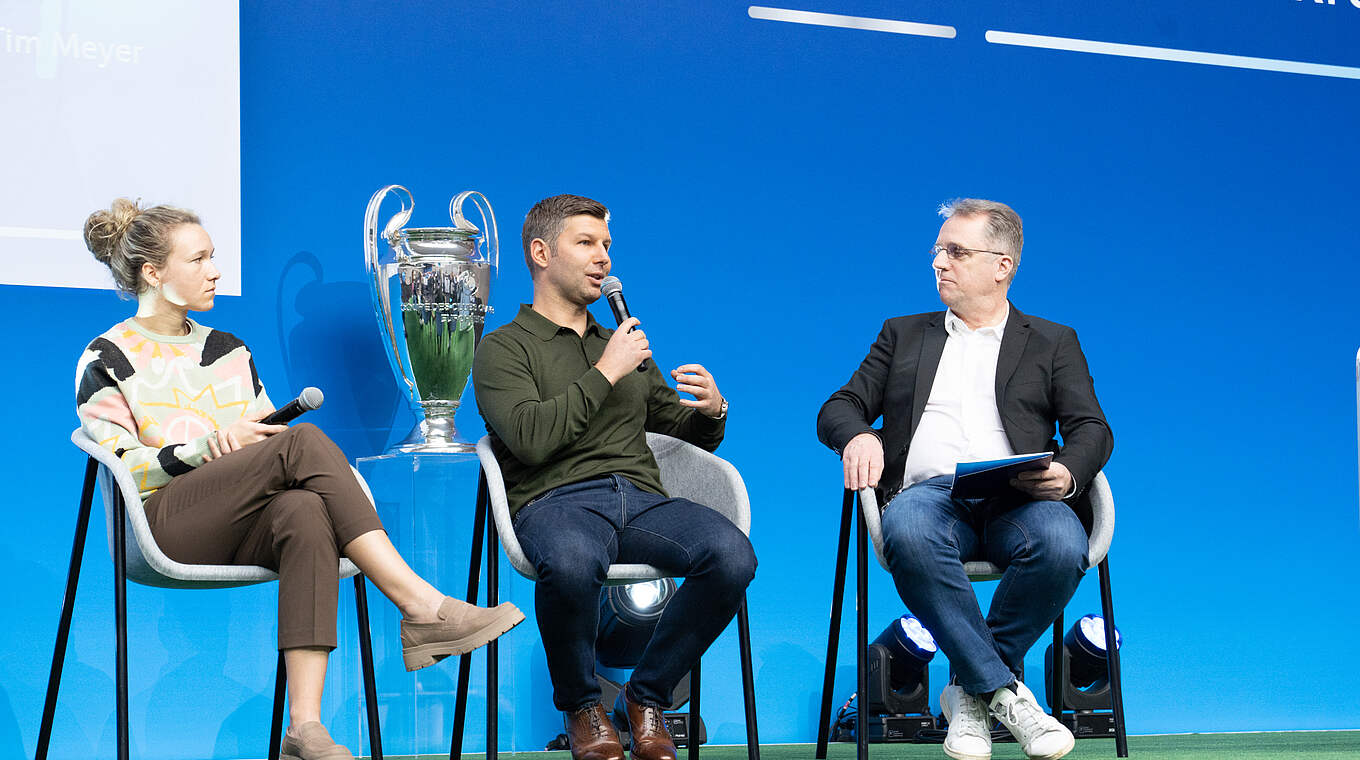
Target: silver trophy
(431, 291)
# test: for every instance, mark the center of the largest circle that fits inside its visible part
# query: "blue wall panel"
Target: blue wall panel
(773, 188)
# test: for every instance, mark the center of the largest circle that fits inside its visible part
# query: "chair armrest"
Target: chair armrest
(1102, 519)
(873, 523)
(500, 509)
(122, 476)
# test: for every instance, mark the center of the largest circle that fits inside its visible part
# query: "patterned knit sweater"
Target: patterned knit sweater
(154, 400)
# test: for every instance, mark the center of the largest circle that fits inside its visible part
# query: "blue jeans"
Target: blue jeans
(1040, 545)
(573, 533)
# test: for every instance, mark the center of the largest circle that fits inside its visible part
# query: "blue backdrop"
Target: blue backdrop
(773, 188)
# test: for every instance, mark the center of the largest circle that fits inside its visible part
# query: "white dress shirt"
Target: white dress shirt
(961, 422)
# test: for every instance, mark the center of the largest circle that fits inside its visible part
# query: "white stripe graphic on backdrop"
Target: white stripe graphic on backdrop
(41, 233)
(851, 22)
(1172, 54)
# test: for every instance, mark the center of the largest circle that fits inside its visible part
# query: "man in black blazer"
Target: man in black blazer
(979, 381)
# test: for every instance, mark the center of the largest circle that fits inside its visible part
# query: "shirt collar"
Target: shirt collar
(955, 326)
(545, 329)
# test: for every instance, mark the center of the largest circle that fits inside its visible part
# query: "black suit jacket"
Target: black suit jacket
(1041, 380)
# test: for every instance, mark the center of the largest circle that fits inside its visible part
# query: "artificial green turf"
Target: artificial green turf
(1292, 744)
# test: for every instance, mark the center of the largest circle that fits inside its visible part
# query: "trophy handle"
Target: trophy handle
(490, 239)
(381, 297)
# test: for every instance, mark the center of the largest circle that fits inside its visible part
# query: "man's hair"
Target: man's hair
(547, 218)
(1004, 228)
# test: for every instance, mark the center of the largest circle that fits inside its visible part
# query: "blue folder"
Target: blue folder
(980, 480)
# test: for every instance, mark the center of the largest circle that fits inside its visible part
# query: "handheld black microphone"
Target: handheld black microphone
(612, 290)
(309, 399)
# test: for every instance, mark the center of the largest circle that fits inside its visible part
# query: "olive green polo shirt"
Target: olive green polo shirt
(554, 419)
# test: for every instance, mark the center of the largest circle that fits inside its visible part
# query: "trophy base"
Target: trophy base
(433, 436)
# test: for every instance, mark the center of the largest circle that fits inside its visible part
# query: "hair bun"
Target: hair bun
(104, 230)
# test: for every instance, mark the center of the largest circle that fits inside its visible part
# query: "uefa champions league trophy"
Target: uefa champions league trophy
(431, 294)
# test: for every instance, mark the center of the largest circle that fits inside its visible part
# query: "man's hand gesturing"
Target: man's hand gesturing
(698, 382)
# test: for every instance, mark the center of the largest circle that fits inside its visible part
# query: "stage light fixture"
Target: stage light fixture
(1086, 649)
(628, 616)
(1087, 704)
(899, 681)
(910, 647)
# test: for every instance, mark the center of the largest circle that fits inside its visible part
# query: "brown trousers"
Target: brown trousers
(289, 503)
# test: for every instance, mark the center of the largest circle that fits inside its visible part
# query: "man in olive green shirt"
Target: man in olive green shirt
(568, 411)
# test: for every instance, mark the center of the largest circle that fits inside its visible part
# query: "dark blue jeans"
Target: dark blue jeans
(1040, 545)
(573, 533)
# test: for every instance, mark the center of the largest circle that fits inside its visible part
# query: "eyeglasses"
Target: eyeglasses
(956, 252)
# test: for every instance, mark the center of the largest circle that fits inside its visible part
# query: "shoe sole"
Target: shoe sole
(966, 755)
(1071, 743)
(425, 655)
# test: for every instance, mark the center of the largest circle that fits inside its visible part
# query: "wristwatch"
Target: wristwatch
(722, 412)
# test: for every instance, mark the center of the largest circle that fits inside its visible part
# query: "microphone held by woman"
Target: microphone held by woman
(310, 398)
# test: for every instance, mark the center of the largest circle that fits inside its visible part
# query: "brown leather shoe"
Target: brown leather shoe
(591, 734)
(651, 740)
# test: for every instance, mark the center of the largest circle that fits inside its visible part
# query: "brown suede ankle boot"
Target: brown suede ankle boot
(460, 628)
(311, 741)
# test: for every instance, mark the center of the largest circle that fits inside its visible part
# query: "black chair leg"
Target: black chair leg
(493, 598)
(1055, 691)
(276, 722)
(120, 620)
(862, 637)
(748, 681)
(68, 606)
(833, 635)
(1121, 739)
(366, 658)
(465, 661)
(695, 717)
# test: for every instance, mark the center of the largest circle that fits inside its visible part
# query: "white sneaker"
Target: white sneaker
(970, 729)
(1040, 735)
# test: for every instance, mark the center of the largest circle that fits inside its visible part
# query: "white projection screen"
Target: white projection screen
(108, 98)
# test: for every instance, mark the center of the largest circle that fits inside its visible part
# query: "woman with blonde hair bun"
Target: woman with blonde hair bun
(181, 404)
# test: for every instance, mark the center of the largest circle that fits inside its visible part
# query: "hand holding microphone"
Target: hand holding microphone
(612, 290)
(257, 427)
(627, 349)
